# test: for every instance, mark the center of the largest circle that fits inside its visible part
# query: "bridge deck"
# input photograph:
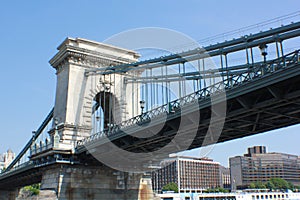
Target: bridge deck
(257, 104)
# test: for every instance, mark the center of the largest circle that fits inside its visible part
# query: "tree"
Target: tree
(279, 183)
(252, 185)
(270, 185)
(296, 188)
(291, 186)
(223, 190)
(273, 184)
(216, 190)
(170, 187)
(260, 185)
(34, 189)
(257, 185)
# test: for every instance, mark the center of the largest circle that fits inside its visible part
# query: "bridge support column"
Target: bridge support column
(9, 194)
(99, 182)
(76, 92)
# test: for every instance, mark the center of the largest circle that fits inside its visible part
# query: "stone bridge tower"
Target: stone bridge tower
(77, 92)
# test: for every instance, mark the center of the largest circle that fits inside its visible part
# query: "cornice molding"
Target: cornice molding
(70, 54)
(71, 127)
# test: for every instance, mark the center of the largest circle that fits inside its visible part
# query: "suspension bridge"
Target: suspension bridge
(113, 113)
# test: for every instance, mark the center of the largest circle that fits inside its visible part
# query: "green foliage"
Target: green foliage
(280, 183)
(291, 186)
(296, 188)
(273, 184)
(34, 189)
(170, 187)
(252, 185)
(257, 185)
(260, 185)
(270, 185)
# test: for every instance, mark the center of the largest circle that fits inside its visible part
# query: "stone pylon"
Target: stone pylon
(77, 90)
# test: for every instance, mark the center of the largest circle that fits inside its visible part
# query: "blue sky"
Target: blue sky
(30, 31)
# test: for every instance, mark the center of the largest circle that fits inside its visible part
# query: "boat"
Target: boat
(243, 195)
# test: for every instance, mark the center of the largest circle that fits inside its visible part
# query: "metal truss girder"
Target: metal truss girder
(27, 146)
(246, 103)
(236, 48)
(275, 92)
(268, 105)
(222, 48)
(260, 103)
(287, 115)
(208, 74)
(256, 122)
(162, 137)
(243, 114)
(261, 121)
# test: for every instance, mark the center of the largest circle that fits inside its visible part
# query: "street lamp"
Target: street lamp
(142, 102)
(263, 50)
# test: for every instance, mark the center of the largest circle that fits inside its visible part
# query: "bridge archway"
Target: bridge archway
(106, 111)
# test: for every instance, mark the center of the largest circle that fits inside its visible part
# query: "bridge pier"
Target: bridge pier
(9, 194)
(95, 182)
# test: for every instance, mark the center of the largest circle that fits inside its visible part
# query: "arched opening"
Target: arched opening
(106, 112)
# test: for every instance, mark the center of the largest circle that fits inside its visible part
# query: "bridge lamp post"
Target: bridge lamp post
(33, 135)
(142, 103)
(56, 136)
(32, 142)
(263, 50)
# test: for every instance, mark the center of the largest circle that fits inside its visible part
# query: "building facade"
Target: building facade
(258, 165)
(190, 174)
(6, 158)
(225, 177)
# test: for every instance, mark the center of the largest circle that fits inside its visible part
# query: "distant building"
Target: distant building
(225, 177)
(258, 165)
(190, 174)
(6, 158)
